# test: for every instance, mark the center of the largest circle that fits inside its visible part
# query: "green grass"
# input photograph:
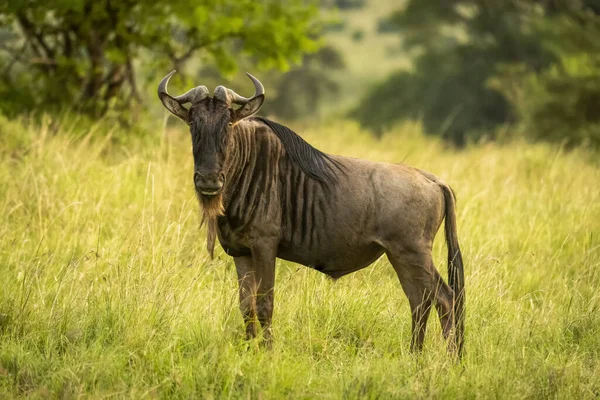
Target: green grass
(106, 289)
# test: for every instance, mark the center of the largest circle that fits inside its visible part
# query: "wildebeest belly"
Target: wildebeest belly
(335, 262)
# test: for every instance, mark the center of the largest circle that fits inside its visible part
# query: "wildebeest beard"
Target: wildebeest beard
(212, 208)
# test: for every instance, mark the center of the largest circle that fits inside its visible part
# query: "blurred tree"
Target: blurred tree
(344, 4)
(82, 53)
(358, 35)
(451, 98)
(459, 47)
(301, 90)
(561, 102)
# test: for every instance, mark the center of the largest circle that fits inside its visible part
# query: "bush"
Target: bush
(450, 97)
(480, 65)
(561, 102)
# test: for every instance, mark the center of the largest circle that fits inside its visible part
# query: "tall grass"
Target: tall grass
(106, 289)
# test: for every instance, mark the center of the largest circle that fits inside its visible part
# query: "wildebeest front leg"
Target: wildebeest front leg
(263, 256)
(247, 288)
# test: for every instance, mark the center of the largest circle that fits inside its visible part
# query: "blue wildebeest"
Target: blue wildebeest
(266, 193)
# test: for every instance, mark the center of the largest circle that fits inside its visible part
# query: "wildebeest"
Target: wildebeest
(266, 193)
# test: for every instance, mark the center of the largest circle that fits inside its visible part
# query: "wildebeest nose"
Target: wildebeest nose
(208, 183)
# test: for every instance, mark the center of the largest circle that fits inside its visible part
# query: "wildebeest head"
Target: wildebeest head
(211, 120)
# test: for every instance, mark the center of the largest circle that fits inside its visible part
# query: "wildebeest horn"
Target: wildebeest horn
(193, 96)
(229, 96)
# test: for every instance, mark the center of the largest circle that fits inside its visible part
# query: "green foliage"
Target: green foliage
(83, 53)
(460, 48)
(450, 98)
(561, 102)
(344, 4)
(358, 35)
(107, 290)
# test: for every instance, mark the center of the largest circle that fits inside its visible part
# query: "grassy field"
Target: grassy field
(106, 289)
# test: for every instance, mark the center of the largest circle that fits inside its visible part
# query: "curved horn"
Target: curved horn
(193, 96)
(175, 104)
(162, 86)
(229, 96)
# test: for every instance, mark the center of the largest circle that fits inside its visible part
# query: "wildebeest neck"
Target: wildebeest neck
(313, 162)
(261, 156)
(252, 157)
(261, 147)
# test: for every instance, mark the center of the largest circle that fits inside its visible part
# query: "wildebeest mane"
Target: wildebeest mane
(312, 162)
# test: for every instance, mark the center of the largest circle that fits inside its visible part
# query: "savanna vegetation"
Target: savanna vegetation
(478, 67)
(107, 290)
(86, 54)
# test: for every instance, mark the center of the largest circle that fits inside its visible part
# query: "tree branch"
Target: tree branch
(30, 31)
(132, 82)
(16, 57)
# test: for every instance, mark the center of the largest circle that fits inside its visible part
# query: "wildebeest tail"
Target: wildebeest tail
(456, 274)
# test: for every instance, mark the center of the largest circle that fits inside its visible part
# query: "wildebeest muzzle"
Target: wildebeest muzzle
(209, 183)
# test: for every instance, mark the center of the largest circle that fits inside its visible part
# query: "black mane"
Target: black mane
(312, 162)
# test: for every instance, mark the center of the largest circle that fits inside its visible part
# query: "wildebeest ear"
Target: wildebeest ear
(174, 107)
(250, 108)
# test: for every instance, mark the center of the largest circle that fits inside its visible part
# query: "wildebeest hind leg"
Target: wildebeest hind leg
(444, 299)
(423, 285)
